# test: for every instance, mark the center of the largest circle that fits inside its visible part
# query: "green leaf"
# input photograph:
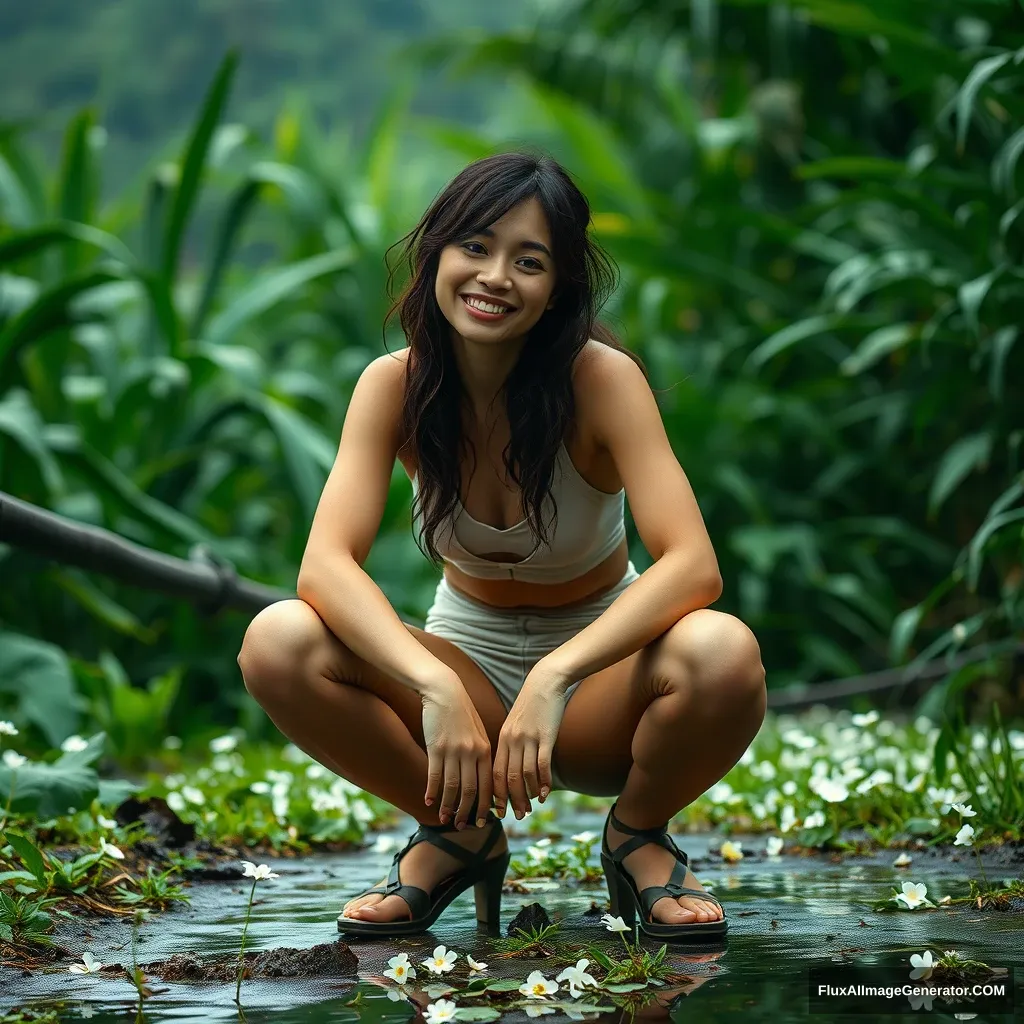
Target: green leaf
(1002, 342)
(903, 630)
(920, 827)
(29, 854)
(981, 538)
(307, 454)
(477, 1013)
(877, 345)
(267, 290)
(192, 165)
(504, 985)
(959, 461)
(49, 790)
(965, 97)
(102, 606)
(792, 335)
(625, 986)
(972, 294)
(39, 676)
(20, 421)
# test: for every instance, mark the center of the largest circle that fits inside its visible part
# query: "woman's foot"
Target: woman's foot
(652, 864)
(424, 866)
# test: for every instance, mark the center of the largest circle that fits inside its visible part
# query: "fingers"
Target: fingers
(483, 772)
(516, 784)
(498, 777)
(451, 790)
(468, 778)
(544, 772)
(435, 776)
(531, 775)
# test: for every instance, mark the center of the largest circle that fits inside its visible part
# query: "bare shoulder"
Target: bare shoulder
(604, 378)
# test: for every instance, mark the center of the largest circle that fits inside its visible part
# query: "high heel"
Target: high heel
(626, 899)
(486, 877)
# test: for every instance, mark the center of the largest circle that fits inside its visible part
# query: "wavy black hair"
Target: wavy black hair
(538, 393)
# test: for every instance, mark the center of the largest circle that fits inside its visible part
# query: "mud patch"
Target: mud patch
(329, 959)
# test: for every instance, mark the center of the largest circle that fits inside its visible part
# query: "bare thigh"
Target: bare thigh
(334, 660)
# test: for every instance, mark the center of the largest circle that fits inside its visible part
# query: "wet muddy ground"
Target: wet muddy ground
(785, 914)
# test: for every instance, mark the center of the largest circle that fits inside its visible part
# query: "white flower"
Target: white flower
(830, 790)
(474, 965)
(259, 873)
(584, 837)
(964, 810)
(13, 760)
(400, 969)
(7, 729)
(732, 852)
(773, 846)
(950, 952)
(919, 1001)
(923, 965)
(815, 820)
(788, 817)
(385, 844)
(176, 802)
(902, 861)
(110, 851)
(193, 795)
(536, 854)
(74, 744)
(615, 924)
(105, 822)
(537, 986)
(89, 965)
(443, 960)
(397, 995)
(223, 744)
(914, 895)
(260, 788)
(965, 836)
(538, 1009)
(442, 1010)
(869, 719)
(577, 978)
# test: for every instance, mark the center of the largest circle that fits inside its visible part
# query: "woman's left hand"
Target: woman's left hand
(522, 762)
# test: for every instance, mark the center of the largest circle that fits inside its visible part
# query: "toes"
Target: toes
(702, 909)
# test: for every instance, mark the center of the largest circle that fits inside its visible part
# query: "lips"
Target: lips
(494, 302)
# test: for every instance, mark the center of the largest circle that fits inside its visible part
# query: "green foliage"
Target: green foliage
(817, 213)
(48, 789)
(25, 919)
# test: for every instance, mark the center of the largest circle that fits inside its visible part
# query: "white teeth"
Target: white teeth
(486, 306)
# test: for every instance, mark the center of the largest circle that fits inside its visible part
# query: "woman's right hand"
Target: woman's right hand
(458, 754)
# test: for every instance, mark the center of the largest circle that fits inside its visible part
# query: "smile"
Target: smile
(483, 314)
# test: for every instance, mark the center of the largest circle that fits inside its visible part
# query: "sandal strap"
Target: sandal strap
(642, 837)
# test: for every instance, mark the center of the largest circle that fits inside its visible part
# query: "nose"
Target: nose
(494, 274)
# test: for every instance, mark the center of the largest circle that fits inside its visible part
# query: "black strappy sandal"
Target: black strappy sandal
(486, 876)
(626, 898)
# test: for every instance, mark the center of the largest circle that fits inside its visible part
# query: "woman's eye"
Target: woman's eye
(533, 264)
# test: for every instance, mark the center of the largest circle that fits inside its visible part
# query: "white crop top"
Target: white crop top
(590, 527)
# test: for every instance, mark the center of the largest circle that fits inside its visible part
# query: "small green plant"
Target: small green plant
(46, 873)
(25, 919)
(640, 965)
(546, 860)
(154, 889)
(529, 942)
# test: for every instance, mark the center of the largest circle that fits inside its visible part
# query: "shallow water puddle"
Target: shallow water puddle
(785, 915)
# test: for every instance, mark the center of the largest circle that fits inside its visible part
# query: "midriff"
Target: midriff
(520, 594)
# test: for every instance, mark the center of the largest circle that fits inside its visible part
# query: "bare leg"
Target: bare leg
(659, 729)
(360, 724)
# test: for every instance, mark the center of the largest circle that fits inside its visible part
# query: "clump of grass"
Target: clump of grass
(531, 942)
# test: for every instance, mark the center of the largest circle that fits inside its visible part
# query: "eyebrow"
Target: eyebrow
(526, 244)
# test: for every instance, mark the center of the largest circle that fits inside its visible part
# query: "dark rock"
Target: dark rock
(160, 821)
(331, 959)
(532, 917)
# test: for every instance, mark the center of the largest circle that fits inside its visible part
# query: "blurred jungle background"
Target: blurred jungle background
(817, 210)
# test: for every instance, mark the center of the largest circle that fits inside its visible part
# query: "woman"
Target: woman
(522, 424)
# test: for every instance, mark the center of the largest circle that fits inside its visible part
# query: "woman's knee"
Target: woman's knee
(278, 646)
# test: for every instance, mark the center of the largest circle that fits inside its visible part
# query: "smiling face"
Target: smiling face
(510, 263)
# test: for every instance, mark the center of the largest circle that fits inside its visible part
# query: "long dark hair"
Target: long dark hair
(538, 393)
